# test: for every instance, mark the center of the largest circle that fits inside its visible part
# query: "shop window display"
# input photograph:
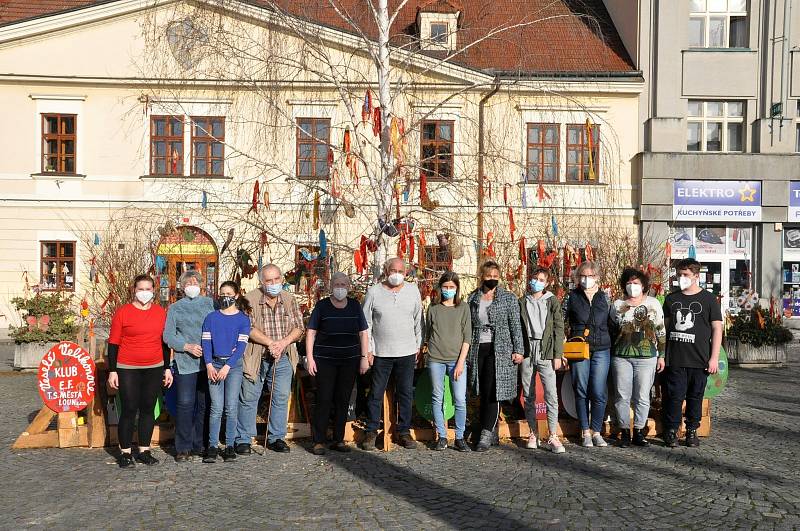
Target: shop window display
(725, 253)
(791, 272)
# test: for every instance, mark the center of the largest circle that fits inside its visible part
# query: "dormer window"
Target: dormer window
(439, 31)
(437, 22)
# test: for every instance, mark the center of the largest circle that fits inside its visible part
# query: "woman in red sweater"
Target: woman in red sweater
(138, 364)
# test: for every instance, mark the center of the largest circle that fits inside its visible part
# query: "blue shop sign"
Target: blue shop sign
(794, 201)
(717, 201)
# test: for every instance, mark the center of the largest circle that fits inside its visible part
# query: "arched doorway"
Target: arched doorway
(185, 249)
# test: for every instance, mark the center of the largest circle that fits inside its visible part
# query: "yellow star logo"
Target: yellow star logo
(747, 193)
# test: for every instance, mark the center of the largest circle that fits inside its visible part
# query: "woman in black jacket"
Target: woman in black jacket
(588, 308)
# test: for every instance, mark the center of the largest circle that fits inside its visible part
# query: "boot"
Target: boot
(670, 439)
(639, 437)
(407, 442)
(691, 439)
(485, 442)
(368, 444)
(625, 438)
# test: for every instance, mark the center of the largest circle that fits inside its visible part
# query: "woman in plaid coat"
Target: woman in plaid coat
(496, 348)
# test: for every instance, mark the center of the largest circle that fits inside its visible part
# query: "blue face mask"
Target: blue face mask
(274, 289)
(448, 294)
(537, 286)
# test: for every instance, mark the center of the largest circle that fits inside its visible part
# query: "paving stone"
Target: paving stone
(730, 482)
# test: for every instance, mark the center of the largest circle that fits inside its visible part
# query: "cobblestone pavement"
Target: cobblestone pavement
(745, 476)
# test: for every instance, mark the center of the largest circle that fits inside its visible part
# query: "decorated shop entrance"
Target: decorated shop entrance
(185, 249)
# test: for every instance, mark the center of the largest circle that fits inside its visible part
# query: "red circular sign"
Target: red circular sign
(67, 377)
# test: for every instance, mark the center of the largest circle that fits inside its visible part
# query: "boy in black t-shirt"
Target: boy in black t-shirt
(694, 336)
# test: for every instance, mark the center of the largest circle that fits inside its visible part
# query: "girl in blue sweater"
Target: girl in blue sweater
(225, 335)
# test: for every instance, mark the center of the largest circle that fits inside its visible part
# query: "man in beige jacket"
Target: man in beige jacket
(271, 357)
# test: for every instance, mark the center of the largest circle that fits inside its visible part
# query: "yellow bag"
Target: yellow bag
(576, 348)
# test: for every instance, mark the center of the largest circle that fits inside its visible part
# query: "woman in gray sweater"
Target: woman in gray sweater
(448, 333)
(182, 334)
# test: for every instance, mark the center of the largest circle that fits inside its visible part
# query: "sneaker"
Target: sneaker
(228, 454)
(441, 444)
(279, 446)
(586, 441)
(211, 455)
(319, 449)
(639, 437)
(554, 444)
(340, 446)
(597, 440)
(485, 442)
(625, 438)
(532, 443)
(243, 449)
(368, 444)
(198, 452)
(146, 458)
(182, 457)
(407, 442)
(125, 460)
(670, 439)
(692, 441)
(460, 445)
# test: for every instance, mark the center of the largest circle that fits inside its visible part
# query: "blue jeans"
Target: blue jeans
(459, 389)
(190, 411)
(590, 382)
(382, 369)
(251, 394)
(224, 397)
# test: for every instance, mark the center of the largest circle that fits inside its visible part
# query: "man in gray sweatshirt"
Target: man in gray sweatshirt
(394, 315)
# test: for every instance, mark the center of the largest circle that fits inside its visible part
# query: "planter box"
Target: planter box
(28, 355)
(744, 355)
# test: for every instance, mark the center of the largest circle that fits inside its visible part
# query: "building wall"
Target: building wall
(760, 74)
(114, 103)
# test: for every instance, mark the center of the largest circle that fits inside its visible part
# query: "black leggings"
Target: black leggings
(335, 380)
(138, 389)
(487, 387)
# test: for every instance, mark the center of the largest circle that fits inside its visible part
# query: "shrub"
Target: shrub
(46, 318)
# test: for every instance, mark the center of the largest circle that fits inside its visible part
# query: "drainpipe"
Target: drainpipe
(481, 154)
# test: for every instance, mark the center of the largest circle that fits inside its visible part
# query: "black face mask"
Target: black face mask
(490, 284)
(226, 302)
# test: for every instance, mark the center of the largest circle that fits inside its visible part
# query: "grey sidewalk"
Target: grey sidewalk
(745, 476)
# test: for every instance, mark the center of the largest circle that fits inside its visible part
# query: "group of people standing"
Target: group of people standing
(223, 353)
(484, 342)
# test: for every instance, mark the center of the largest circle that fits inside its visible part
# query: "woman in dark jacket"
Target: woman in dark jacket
(588, 308)
(496, 348)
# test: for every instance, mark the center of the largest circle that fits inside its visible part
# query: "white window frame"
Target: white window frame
(707, 15)
(61, 104)
(725, 119)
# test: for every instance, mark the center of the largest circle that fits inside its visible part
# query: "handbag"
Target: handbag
(576, 348)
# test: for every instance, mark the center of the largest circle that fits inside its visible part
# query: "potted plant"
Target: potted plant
(755, 335)
(46, 320)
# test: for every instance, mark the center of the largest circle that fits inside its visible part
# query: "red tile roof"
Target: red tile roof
(15, 10)
(555, 37)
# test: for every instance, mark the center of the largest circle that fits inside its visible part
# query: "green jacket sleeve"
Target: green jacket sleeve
(558, 328)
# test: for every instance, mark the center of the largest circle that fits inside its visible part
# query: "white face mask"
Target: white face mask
(588, 282)
(192, 291)
(634, 290)
(144, 296)
(339, 294)
(685, 282)
(395, 279)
